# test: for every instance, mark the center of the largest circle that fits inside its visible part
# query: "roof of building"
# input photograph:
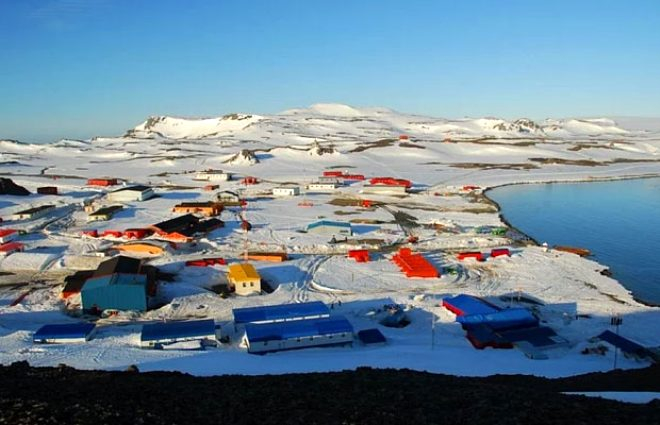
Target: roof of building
(115, 280)
(173, 330)
(212, 172)
(320, 223)
(7, 232)
(177, 224)
(208, 225)
(135, 188)
(281, 312)
(537, 336)
(75, 282)
(484, 334)
(243, 272)
(371, 336)
(118, 264)
(626, 345)
(467, 305)
(297, 329)
(36, 209)
(107, 210)
(63, 331)
(207, 204)
(11, 246)
(504, 319)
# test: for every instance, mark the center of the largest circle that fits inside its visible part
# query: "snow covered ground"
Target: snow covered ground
(439, 156)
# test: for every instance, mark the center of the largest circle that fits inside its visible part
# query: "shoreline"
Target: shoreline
(594, 180)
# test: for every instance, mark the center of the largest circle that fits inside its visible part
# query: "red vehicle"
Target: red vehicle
(498, 252)
(465, 255)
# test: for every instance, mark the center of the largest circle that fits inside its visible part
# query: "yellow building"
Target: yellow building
(244, 279)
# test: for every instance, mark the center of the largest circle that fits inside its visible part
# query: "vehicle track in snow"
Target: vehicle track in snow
(302, 286)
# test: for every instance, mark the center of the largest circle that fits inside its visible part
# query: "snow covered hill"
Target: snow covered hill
(333, 116)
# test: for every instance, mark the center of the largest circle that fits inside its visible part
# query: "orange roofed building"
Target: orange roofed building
(207, 209)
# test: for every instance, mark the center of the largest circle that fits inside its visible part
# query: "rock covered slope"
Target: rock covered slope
(366, 396)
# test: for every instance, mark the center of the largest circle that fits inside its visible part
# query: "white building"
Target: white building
(322, 187)
(330, 228)
(162, 335)
(131, 193)
(271, 337)
(33, 213)
(385, 189)
(213, 176)
(330, 179)
(286, 191)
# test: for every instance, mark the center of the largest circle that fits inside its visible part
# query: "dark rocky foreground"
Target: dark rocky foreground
(366, 396)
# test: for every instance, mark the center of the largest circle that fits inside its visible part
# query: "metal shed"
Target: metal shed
(511, 318)
(270, 337)
(63, 333)
(465, 305)
(159, 335)
(327, 227)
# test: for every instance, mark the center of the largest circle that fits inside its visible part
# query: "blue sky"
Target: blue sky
(79, 68)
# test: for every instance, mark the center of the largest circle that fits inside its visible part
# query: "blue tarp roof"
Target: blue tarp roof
(280, 312)
(470, 305)
(485, 335)
(538, 336)
(500, 320)
(63, 331)
(371, 336)
(297, 329)
(329, 223)
(173, 330)
(626, 345)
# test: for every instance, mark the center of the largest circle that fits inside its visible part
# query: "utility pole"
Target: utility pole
(432, 331)
(616, 320)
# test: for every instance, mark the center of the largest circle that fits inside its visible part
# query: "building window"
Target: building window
(251, 283)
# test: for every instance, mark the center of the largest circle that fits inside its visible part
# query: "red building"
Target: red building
(102, 182)
(414, 265)
(390, 181)
(360, 255)
(11, 247)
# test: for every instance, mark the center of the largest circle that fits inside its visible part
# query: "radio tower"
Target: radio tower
(244, 225)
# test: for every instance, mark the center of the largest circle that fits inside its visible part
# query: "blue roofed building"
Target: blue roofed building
(466, 305)
(628, 347)
(64, 333)
(161, 335)
(500, 320)
(281, 312)
(330, 228)
(270, 337)
(371, 337)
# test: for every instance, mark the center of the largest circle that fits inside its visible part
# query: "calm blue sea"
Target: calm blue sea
(619, 221)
